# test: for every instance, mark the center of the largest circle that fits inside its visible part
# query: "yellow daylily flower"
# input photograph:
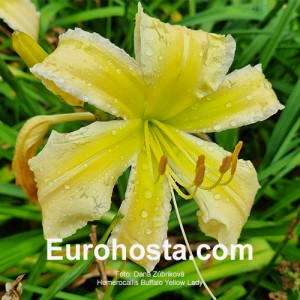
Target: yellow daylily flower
(21, 15)
(176, 85)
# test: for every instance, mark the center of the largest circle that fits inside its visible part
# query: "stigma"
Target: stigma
(225, 175)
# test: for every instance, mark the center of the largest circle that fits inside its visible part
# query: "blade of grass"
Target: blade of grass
(88, 15)
(270, 47)
(287, 118)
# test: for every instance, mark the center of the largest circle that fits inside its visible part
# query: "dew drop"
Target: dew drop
(228, 104)
(85, 165)
(200, 142)
(217, 127)
(144, 214)
(67, 187)
(160, 58)
(148, 194)
(201, 94)
(89, 84)
(148, 231)
(118, 71)
(268, 85)
(210, 148)
(114, 132)
(131, 217)
(233, 123)
(149, 52)
(249, 97)
(217, 196)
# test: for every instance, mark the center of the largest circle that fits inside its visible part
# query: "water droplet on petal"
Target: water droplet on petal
(144, 214)
(114, 132)
(217, 127)
(200, 142)
(89, 84)
(131, 217)
(249, 97)
(160, 57)
(228, 104)
(217, 196)
(148, 194)
(268, 85)
(233, 123)
(210, 148)
(148, 231)
(149, 52)
(118, 71)
(67, 187)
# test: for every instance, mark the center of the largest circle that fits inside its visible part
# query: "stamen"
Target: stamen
(218, 182)
(200, 161)
(162, 165)
(235, 155)
(200, 170)
(225, 164)
(234, 161)
(179, 192)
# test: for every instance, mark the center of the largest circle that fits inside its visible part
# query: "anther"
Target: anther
(235, 155)
(200, 161)
(225, 164)
(162, 165)
(199, 177)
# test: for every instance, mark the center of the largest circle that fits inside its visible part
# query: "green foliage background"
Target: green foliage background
(266, 32)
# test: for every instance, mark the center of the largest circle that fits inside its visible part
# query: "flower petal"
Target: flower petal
(21, 15)
(179, 64)
(243, 98)
(76, 173)
(146, 211)
(29, 139)
(90, 68)
(223, 209)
